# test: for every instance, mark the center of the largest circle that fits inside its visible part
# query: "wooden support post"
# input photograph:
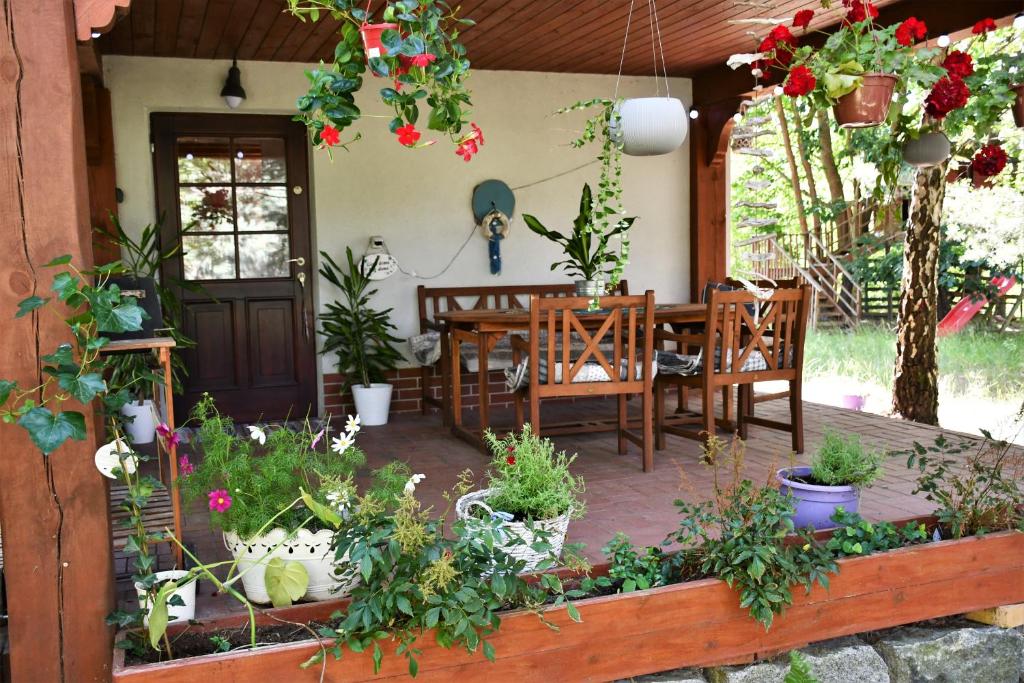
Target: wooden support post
(1007, 616)
(54, 510)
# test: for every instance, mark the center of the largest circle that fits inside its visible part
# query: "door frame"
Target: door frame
(164, 127)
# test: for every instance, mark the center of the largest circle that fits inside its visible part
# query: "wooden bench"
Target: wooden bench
(434, 300)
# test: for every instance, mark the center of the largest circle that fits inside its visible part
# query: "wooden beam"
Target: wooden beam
(53, 510)
(96, 15)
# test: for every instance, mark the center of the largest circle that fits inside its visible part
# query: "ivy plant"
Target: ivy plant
(73, 372)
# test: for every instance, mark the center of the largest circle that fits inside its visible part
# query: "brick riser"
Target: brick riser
(407, 395)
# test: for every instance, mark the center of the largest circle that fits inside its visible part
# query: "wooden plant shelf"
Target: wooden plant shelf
(699, 623)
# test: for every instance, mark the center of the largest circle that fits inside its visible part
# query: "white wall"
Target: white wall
(419, 200)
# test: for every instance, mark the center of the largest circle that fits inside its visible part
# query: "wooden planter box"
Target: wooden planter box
(698, 623)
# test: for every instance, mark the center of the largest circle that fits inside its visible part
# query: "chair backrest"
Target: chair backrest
(742, 346)
(625, 323)
(435, 300)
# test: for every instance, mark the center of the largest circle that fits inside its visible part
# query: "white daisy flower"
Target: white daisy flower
(410, 486)
(352, 425)
(256, 433)
(340, 444)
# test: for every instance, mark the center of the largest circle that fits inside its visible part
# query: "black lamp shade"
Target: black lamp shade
(233, 91)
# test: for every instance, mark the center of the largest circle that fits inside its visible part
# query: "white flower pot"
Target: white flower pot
(372, 403)
(108, 458)
(312, 549)
(187, 593)
(142, 429)
(649, 126)
(931, 149)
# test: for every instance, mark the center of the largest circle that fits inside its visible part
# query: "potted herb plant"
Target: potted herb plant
(531, 492)
(412, 42)
(840, 468)
(246, 483)
(586, 247)
(361, 336)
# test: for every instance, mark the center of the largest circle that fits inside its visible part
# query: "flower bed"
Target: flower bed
(698, 623)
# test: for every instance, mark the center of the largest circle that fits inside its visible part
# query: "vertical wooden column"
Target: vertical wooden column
(99, 151)
(54, 511)
(709, 194)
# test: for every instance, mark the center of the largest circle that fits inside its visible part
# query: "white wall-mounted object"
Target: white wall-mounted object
(377, 263)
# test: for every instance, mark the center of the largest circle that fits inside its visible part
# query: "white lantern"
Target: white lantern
(649, 126)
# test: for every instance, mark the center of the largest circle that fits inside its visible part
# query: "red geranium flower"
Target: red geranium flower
(910, 30)
(948, 94)
(800, 82)
(423, 60)
(407, 135)
(330, 136)
(782, 34)
(511, 460)
(984, 26)
(989, 161)
(959, 64)
(477, 134)
(860, 10)
(802, 19)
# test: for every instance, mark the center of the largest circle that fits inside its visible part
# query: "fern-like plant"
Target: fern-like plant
(844, 461)
(361, 336)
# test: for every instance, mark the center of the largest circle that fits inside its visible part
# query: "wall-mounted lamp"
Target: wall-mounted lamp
(233, 92)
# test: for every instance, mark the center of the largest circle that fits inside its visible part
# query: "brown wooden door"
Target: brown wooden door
(235, 191)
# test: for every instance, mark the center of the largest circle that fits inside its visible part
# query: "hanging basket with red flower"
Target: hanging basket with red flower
(988, 163)
(414, 44)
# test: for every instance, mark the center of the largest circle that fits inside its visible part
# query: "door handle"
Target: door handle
(301, 277)
(300, 261)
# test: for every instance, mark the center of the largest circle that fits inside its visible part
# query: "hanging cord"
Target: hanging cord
(622, 57)
(654, 48)
(661, 49)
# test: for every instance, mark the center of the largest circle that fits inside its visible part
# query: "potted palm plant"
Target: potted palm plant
(361, 337)
(586, 248)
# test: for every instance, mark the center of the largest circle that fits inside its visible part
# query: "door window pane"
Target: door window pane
(259, 160)
(206, 209)
(208, 257)
(262, 208)
(204, 160)
(263, 255)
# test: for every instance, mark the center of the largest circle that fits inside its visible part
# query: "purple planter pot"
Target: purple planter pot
(853, 401)
(816, 504)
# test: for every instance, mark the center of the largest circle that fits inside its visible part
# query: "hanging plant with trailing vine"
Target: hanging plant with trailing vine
(414, 43)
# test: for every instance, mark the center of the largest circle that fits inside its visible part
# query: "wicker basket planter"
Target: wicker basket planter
(555, 528)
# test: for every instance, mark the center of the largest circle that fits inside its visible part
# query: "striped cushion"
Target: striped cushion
(519, 377)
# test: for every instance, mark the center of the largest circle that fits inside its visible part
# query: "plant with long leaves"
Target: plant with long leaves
(73, 372)
(360, 335)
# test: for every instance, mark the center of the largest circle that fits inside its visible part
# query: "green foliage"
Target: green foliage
(977, 487)
(428, 27)
(414, 577)
(286, 581)
(587, 257)
(352, 329)
(857, 536)
(799, 670)
(261, 481)
(529, 480)
(629, 569)
(843, 461)
(71, 372)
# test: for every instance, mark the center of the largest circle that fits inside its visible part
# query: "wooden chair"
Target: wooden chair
(740, 347)
(556, 370)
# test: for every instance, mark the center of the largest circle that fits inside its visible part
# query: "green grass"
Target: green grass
(971, 363)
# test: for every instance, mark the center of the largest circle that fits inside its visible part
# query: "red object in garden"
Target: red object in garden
(868, 105)
(968, 307)
(1018, 106)
(371, 34)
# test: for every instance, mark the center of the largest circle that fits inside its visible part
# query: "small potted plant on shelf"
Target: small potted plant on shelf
(247, 482)
(531, 493)
(361, 337)
(840, 468)
(589, 257)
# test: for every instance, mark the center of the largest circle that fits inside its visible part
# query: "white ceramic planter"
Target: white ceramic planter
(649, 126)
(312, 549)
(931, 149)
(187, 593)
(372, 403)
(142, 429)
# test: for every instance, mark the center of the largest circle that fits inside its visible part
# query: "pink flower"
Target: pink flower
(407, 135)
(168, 435)
(423, 60)
(220, 501)
(185, 466)
(316, 439)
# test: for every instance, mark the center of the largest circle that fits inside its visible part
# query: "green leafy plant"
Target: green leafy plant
(977, 486)
(73, 372)
(529, 480)
(358, 334)
(586, 248)
(739, 536)
(799, 670)
(629, 569)
(422, 56)
(415, 577)
(855, 535)
(843, 461)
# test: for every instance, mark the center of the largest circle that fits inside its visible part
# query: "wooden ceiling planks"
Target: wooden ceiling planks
(532, 35)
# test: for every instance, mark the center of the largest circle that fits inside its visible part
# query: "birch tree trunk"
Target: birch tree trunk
(794, 175)
(915, 394)
(835, 181)
(812, 185)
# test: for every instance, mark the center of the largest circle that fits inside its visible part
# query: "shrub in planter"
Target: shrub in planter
(855, 536)
(530, 492)
(840, 468)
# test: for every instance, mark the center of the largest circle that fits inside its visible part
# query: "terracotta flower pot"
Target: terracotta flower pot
(371, 34)
(868, 105)
(979, 181)
(1018, 106)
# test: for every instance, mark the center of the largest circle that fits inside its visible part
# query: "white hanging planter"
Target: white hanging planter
(930, 149)
(142, 429)
(649, 126)
(108, 458)
(187, 593)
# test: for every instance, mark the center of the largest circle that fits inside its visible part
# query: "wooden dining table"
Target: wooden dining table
(485, 327)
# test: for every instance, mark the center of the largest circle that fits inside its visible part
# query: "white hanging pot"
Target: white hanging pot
(142, 429)
(930, 149)
(187, 593)
(649, 126)
(372, 403)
